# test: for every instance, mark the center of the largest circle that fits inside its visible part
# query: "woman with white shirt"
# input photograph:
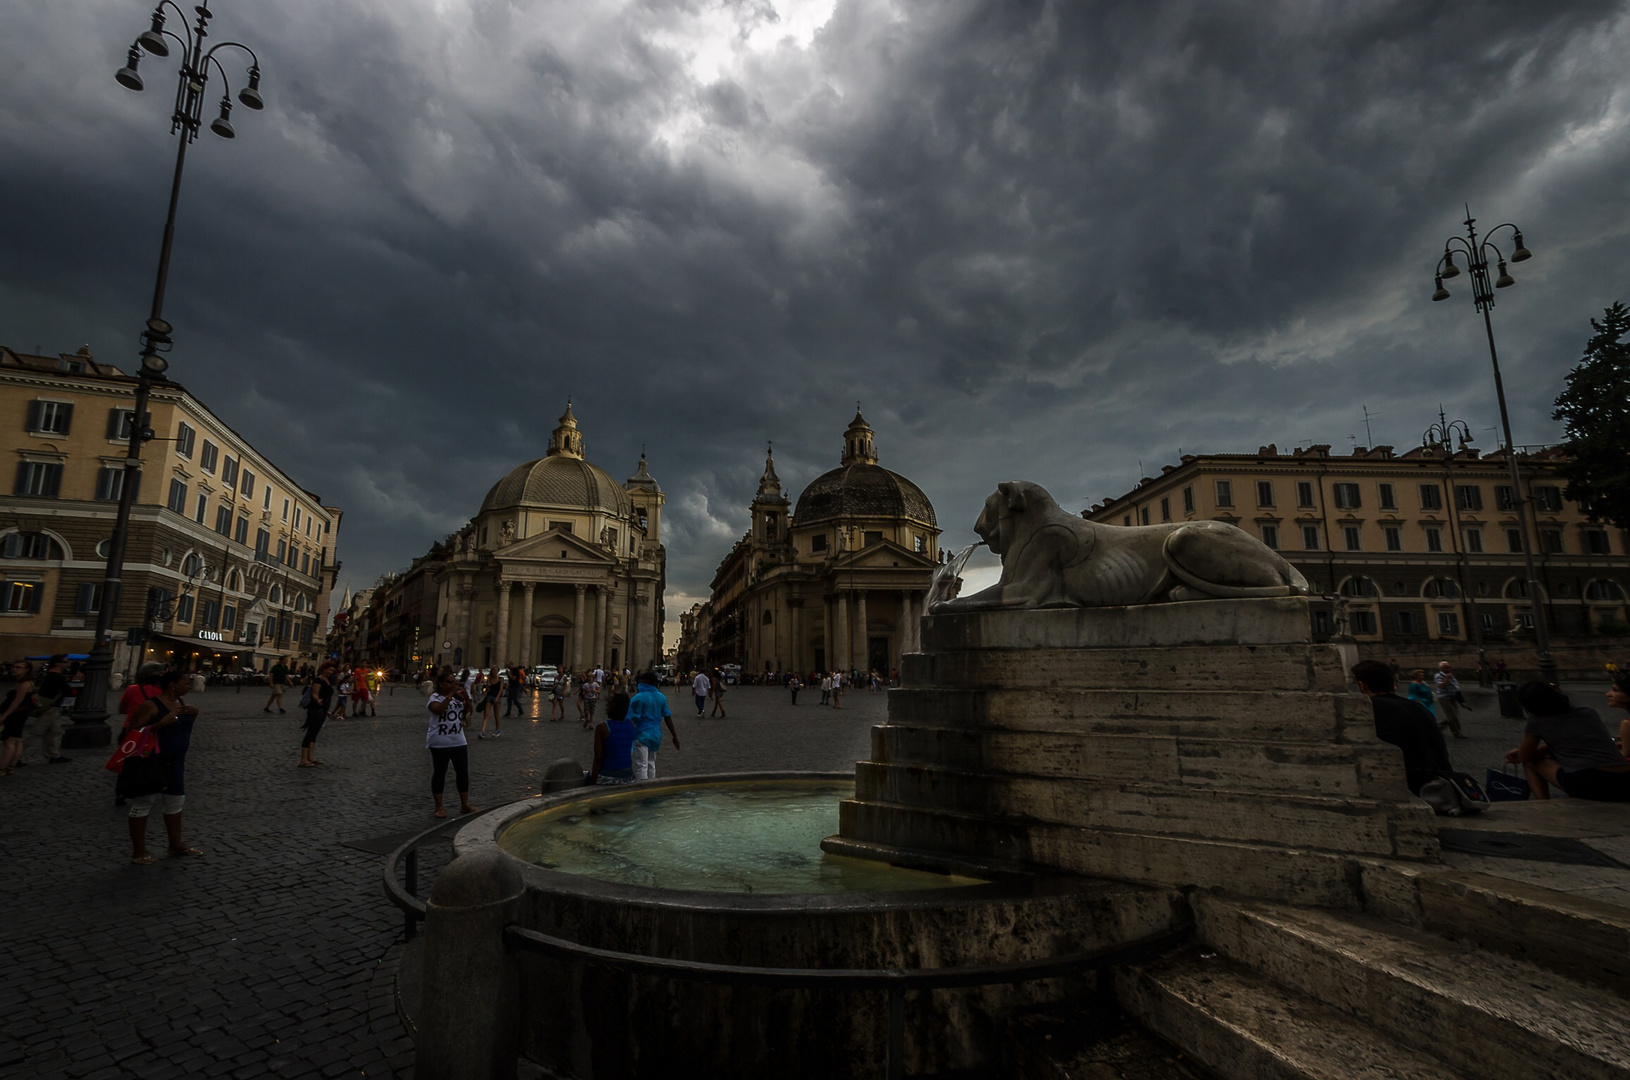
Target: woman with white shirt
(449, 709)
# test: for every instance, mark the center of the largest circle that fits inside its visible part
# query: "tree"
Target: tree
(1596, 409)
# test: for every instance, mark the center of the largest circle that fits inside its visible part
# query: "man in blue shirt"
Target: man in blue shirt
(649, 711)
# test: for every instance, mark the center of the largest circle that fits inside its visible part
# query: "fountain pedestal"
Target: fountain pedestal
(1206, 743)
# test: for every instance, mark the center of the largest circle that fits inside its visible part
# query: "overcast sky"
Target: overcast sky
(1039, 241)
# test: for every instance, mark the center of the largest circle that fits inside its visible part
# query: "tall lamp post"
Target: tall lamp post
(1443, 436)
(1477, 252)
(90, 715)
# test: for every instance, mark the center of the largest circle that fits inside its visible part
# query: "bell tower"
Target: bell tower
(567, 440)
(858, 447)
(769, 507)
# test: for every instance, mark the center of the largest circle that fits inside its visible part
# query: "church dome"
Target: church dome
(563, 480)
(862, 490)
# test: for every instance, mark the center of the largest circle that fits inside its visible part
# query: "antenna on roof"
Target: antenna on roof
(1369, 438)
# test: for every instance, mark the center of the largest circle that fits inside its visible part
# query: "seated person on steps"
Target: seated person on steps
(1405, 724)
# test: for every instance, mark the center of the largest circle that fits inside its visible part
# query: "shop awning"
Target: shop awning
(231, 648)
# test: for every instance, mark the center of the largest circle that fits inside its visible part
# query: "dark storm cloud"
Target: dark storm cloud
(1040, 240)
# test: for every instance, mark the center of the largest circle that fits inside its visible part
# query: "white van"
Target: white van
(545, 675)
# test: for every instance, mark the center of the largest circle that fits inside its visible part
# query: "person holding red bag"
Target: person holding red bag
(172, 719)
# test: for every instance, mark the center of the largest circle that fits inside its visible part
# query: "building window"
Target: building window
(210, 616)
(223, 520)
(1596, 542)
(183, 609)
(1474, 541)
(50, 417)
(1127, 520)
(817, 542)
(21, 597)
(178, 496)
(1406, 622)
(88, 600)
(263, 540)
(1225, 493)
(282, 550)
(296, 519)
(1548, 499)
(1188, 500)
(276, 597)
(1431, 497)
(246, 487)
(1310, 537)
(1468, 497)
(1321, 622)
(266, 498)
(1346, 496)
(25, 545)
(119, 422)
(922, 544)
(1264, 492)
(206, 458)
(1304, 493)
(1143, 515)
(285, 510)
(229, 617)
(305, 563)
(1350, 538)
(110, 480)
(1449, 623)
(1504, 497)
(1389, 501)
(1550, 541)
(40, 478)
(241, 533)
(1395, 537)
(1434, 539)
(560, 526)
(1513, 541)
(229, 472)
(192, 565)
(1362, 621)
(202, 509)
(1270, 536)
(1359, 586)
(1445, 588)
(185, 436)
(1600, 591)
(1165, 509)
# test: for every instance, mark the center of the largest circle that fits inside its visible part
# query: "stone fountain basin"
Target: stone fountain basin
(582, 1021)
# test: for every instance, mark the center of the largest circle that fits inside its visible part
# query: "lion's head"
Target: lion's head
(1010, 499)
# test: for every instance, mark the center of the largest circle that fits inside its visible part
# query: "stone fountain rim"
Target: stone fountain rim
(482, 833)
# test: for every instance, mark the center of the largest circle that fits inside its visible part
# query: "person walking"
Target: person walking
(374, 680)
(826, 688)
(557, 698)
(1446, 689)
(588, 695)
(1420, 691)
(280, 682)
(837, 689)
(512, 699)
(321, 690)
(720, 688)
(699, 688)
(648, 711)
(793, 686)
(342, 694)
(359, 691)
(172, 720)
(614, 744)
(14, 714)
(490, 690)
(55, 699)
(449, 707)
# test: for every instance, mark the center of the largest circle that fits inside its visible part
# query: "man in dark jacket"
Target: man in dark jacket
(1405, 724)
(52, 693)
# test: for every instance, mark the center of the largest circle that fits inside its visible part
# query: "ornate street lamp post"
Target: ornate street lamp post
(90, 715)
(1443, 437)
(1477, 252)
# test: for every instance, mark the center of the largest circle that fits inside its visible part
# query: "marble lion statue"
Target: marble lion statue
(1051, 558)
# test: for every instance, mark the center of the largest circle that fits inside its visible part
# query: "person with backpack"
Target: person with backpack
(1405, 724)
(315, 699)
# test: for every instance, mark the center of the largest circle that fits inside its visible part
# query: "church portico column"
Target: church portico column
(577, 629)
(526, 623)
(602, 624)
(631, 641)
(841, 643)
(862, 654)
(795, 647)
(500, 630)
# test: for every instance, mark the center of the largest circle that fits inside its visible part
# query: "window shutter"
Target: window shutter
(65, 421)
(21, 487)
(113, 423)
(53, 481)
(34, 596)
(33, 421)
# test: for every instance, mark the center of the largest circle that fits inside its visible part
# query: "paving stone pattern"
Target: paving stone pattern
(272, 954)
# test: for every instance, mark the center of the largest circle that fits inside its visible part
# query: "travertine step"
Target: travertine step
(1323, 768)
(1244, 1027)
(1302, 875)
(1481, 1013)
(1195, 668)
(1263, 715)
(1341, 823)
(1579, 937)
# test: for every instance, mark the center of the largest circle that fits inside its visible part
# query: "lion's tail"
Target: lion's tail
(1296, 587)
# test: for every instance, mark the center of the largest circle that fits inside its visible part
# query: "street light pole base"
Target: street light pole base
(86, 734)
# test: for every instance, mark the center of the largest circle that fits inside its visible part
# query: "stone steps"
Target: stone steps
(1258, 715)
(1180, 667)
(1341, 823)
(1196, 760)
(1242, 1026)
(1295, 874)
(1480, 1012)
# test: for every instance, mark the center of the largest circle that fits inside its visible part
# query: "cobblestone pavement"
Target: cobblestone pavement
(271, 955)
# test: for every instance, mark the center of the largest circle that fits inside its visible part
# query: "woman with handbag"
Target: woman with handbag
(321, 699)
(172, 720)
(14, 714)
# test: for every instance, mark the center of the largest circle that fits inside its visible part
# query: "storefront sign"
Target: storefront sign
(210, 635)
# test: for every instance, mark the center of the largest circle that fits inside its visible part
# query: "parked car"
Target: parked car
(731, 673)
(545, 675)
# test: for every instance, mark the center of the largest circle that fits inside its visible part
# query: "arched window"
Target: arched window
(1516, 589)
(1441, 587)
(1608, 591)
(192, 566)
(1358, 586)
(300, 603)
(768, 618)
(234, 581)
(29, 545)
(276, 595)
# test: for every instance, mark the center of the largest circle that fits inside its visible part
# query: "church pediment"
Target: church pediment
(883, 556)
(555, 546)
